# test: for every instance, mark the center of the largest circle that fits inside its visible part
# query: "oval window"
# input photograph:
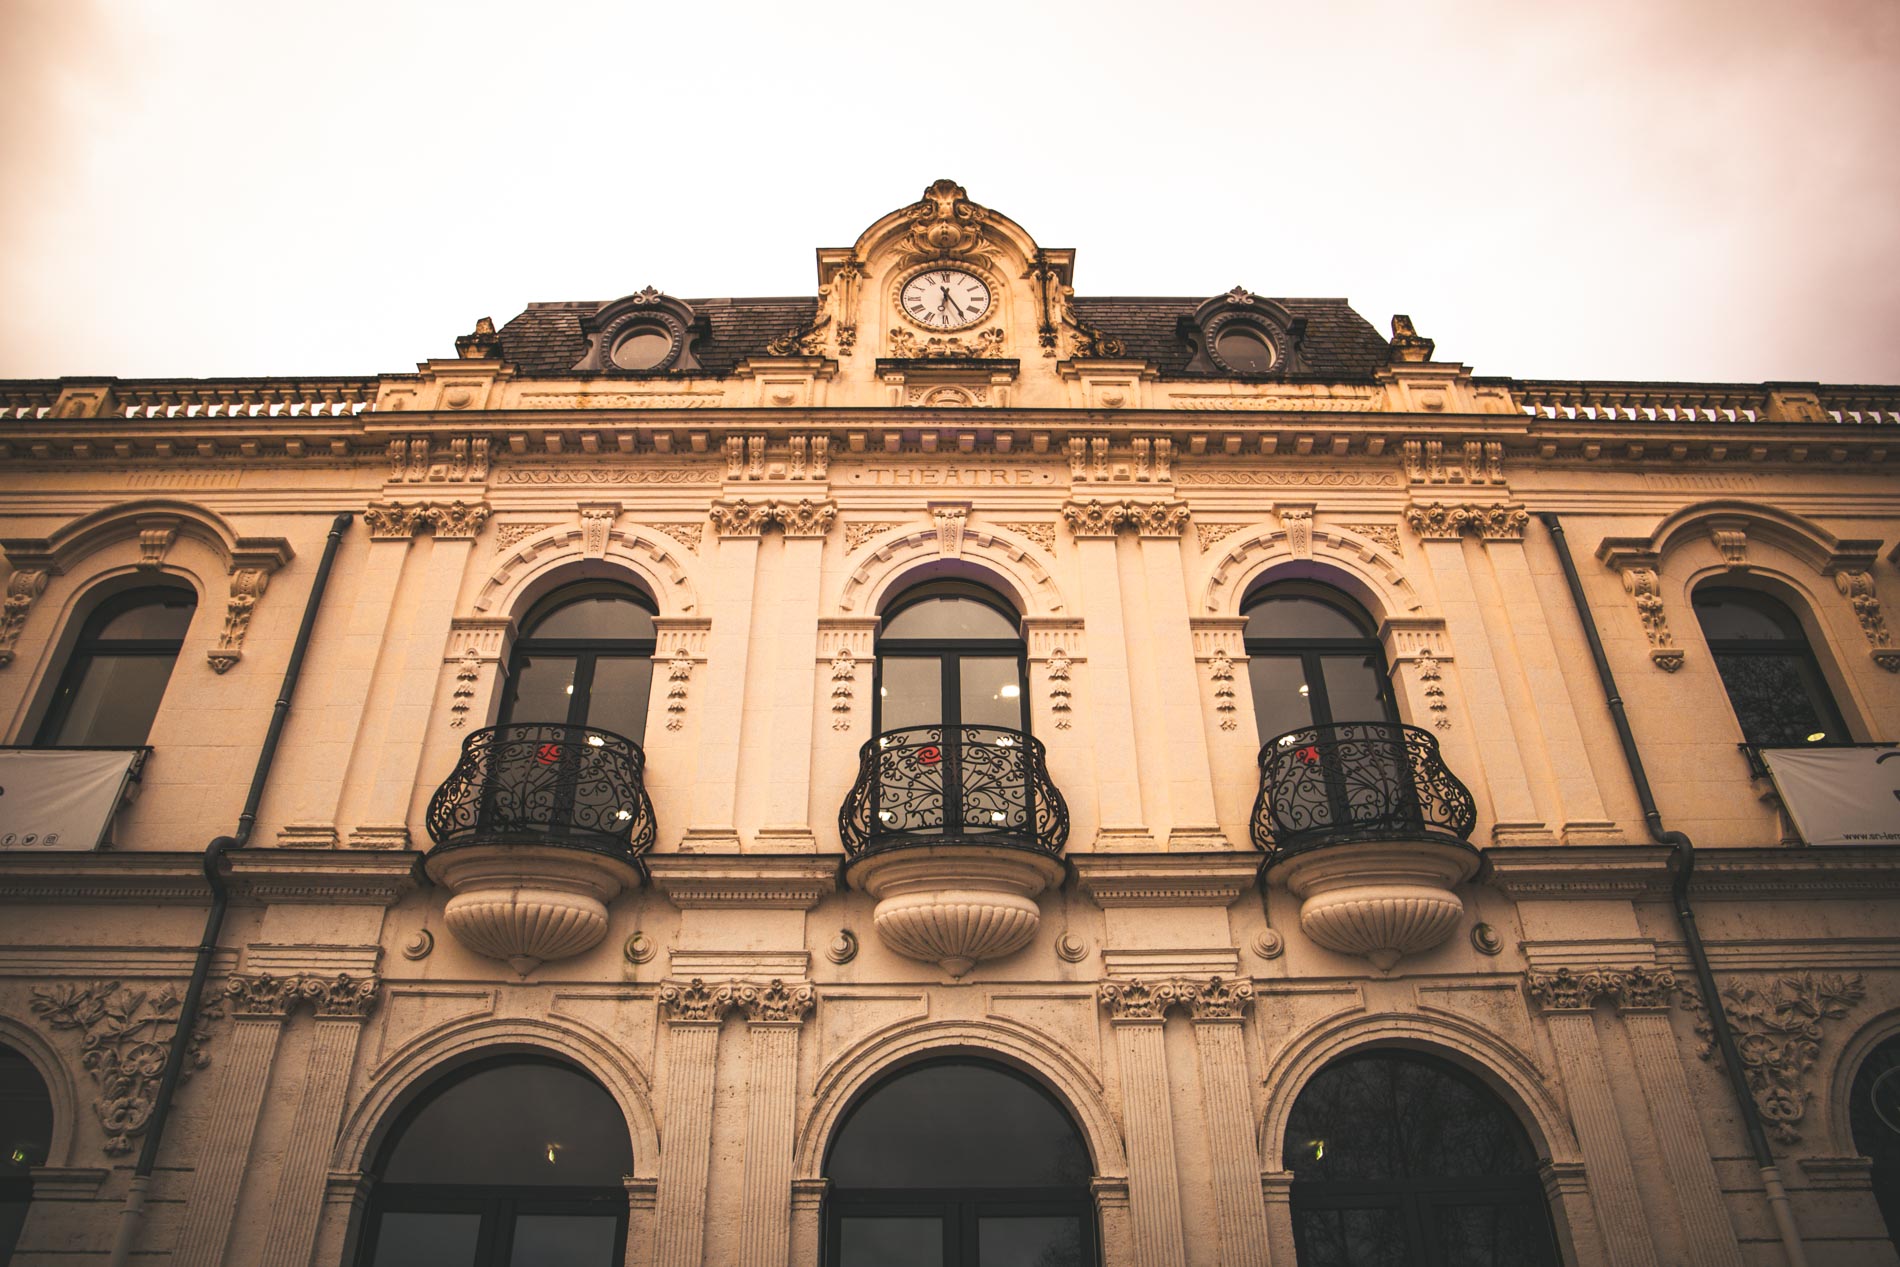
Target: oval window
(1244, 350)
(643, 349)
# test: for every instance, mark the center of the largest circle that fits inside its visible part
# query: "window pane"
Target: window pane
(411, 1239)
(1281, 701)
(1495, 1235)
(1352, 688)
(958, 1125)
(889, 1242)
(1772, 698)
(949, 618)
(642, 350)
(910, 692)
(564, 1240)
(1351, 1238)
(515, 1124)
(1297, 616)
(1388, 1116)
(116, 700)
(596, 618)
(1245, 350)
(617, 700)
(1727, 614)
(992, 691)
(1029, 1242)
(26, 1116)
(544, 689)
(162, 616)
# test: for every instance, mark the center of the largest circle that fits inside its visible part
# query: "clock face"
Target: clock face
(946, 299)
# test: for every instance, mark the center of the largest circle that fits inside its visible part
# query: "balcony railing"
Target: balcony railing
(545, 784)
(964, 785)
(1352, 781)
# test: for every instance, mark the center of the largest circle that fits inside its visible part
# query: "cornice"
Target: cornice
(112, 875)
(1215, 878)
(342, 877)
(1641, 872)
(778, 881)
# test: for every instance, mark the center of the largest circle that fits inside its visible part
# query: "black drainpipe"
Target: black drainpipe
(1681, 869)
(133, 1213)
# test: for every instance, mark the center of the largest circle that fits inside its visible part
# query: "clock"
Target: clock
(945, 299)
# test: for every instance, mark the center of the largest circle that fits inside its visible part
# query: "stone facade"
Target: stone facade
(771, 499)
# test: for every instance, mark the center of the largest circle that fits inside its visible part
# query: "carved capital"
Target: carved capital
(23, 587)
(1567, 990)
(696, 1002)
(261, 995)
(1137, 1000)
(1437, 521)
(1158, 518)
(456, 520)
(776, 1004)
(805, 517)
(1094, 517)
(1215, 999)
(392, 521)
(1640, 989)
(741, 517)
(342, 997)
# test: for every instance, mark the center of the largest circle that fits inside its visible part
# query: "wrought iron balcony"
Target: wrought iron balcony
(961, 785)
(544, 784)
(1357, 781)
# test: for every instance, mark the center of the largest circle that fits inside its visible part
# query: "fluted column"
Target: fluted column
(259, 1005)
(694, 1014)
(1137, 1011)
(1642, 999)
(341, 1004)
(1568, 999)
(773, 1016)
(1218, 1009)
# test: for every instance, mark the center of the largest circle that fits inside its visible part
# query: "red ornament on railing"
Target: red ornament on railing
(929, 755)
(548, 753)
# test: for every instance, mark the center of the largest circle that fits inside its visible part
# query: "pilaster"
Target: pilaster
(1111, 704)
(1137, 1012)
(259, 1006)
(728, 654)
(1218, 1010)
(1193, 818)
(694, 1013)
(774, 1015)
(787, 764)
(1642, 1000)
(808, 1203)
(341, 1003)
(1568, 1000)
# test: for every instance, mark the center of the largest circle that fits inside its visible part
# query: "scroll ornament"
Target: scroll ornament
(1778, 1028)
(125, 1034)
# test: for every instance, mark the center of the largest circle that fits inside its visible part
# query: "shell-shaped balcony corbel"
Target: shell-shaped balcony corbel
(1363, 822)
(536, 830)
(955, 831)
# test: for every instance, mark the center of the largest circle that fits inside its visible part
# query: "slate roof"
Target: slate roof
(546, 341)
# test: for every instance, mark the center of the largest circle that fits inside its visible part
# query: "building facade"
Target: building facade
(949, 770)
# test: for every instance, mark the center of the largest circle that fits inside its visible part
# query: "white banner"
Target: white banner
(60, 799)
(1839, 796)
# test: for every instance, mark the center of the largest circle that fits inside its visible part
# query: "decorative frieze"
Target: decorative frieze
(1436, 521)
(1453, 462)
(856, 534)
(461, 459)
(1779, 1026)
(744, 518)
(1094, 517)
(125, 1031)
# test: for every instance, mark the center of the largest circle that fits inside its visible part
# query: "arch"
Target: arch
(557, 555)
(1507, 1071)
(1840, 1083)
(849, 1074)
(1731, 525)
(403, 1075)
(893, 563)
(155, 523)
(59, 1086)
(1359, 566)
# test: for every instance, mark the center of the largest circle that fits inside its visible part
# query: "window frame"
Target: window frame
(586, 652)
(89, 646)
(950, 652)
(1311, 652)
(1807, 666)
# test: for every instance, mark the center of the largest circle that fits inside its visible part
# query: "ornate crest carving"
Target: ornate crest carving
(125, 1034)
(906, 346)
(944, 222)
(479, 343)
(1407, 343)
(807, 340)
(1778, 1030)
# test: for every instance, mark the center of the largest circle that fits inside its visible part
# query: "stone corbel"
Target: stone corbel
(247, 586)
(597, 521)
(1729, 535)
(1857, 587)
(156, 534)
(23, 588)
(950, 518)
(1297, 522)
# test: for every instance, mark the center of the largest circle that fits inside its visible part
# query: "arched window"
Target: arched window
(116, 676)
(26, 1130)
(584, 658)
(1773, 682)
(508, 1163)
(949, 654)
(958, 1164)
(1874, 1114)
(1399, 1158)
(1313, 659)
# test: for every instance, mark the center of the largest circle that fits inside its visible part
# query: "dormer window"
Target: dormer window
(1244, 349)
(1241, 335)
(647, 333)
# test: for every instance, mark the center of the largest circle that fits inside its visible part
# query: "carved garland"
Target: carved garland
(125, 1034)
(1778, 1031)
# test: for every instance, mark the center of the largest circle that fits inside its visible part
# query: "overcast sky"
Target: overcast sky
(1651, 189)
